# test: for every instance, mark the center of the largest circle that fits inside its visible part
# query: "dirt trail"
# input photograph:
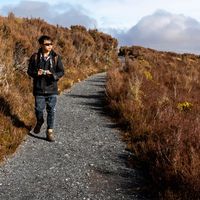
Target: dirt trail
(87, 161)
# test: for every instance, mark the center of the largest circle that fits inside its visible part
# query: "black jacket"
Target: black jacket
(45, 84)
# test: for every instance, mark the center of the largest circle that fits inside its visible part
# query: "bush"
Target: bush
(156, 96)
(81, 57)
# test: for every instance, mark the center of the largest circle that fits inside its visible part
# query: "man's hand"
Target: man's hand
(48, 72)
(40, 72)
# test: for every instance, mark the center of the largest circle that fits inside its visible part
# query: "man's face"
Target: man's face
(47, 45)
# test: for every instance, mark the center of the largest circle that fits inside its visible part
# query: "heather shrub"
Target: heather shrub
(18, 37)
(156, 96)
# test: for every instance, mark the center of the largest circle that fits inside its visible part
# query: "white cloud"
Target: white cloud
(72, 17)
(121, 13)
(164, 31)
(124, 19)
(63, 14)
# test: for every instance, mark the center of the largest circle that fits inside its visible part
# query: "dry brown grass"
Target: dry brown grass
(156, 95)
(83, 52)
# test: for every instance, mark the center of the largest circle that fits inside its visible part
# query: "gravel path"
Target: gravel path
(87, 161)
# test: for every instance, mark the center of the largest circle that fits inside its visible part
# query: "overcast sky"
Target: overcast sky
(172, 25)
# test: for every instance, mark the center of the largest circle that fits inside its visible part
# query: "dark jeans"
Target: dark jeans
(48, 101)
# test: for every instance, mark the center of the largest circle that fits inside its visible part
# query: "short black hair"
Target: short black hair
(43, 38)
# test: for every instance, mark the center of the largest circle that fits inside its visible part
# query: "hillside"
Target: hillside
(155, 96)
(83, 52)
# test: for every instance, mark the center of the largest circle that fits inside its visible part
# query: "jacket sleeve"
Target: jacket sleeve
(32, 68)
(59, 70)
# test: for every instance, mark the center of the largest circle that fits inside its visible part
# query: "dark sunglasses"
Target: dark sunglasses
(48, 44)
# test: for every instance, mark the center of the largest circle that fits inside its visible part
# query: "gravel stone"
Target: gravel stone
(87, 160)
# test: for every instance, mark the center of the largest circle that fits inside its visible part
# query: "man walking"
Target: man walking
(46, 68)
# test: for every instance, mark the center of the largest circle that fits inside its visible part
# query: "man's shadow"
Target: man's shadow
(5, 109)
(37, 136)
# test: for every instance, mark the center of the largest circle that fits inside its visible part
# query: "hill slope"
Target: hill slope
(155, 96)
(83, 52)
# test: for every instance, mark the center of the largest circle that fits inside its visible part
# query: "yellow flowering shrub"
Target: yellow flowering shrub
(148, 75)
(184, 106)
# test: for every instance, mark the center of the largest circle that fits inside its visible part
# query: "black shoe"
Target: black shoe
(38, 126)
